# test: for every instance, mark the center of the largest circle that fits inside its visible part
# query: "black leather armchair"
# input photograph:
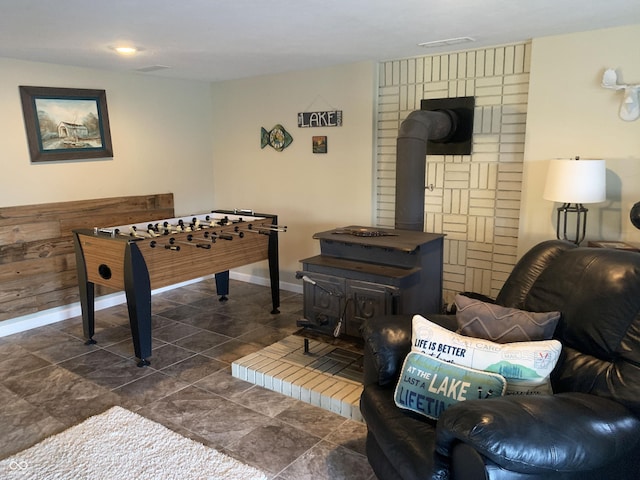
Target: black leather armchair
(588, 429)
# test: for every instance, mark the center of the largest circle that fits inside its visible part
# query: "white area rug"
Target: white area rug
(119, 444)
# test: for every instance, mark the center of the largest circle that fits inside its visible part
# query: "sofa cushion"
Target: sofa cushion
(428, 386)
(499, 324)
(525, 365)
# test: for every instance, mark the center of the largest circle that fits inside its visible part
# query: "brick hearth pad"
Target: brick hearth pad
(328, 376)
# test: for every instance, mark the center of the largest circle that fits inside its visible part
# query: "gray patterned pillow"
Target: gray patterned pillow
(501, 324)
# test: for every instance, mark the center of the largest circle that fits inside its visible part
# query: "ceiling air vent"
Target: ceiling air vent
(447, 42)
(151, 68)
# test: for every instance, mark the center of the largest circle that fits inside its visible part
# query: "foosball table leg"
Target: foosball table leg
(87, 295)
(88, 312)
(137, 288)
(274, 269)
(222, 285)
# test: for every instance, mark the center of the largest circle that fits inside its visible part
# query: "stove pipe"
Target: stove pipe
(411, 153)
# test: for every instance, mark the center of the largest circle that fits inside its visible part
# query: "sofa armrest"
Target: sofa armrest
(387, 341)
(541, 434)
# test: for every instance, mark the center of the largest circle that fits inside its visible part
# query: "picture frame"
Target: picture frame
(319, 144)
(66, 123)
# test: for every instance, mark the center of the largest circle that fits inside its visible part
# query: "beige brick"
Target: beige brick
(491, 188)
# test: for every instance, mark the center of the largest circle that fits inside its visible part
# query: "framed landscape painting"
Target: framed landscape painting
(66, 123)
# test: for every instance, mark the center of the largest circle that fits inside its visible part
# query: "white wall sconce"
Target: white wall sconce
(573, 183)
(630, 107)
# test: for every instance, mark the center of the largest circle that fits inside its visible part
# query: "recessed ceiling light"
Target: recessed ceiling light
(447, 42)
(126, 50)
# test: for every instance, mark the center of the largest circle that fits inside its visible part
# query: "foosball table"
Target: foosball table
(138, 258)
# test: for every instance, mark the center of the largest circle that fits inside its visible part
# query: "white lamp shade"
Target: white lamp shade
(576, 181)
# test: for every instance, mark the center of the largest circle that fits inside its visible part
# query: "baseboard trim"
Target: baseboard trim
(58, 314)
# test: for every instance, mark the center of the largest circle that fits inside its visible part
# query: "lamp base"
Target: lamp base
(581, 222)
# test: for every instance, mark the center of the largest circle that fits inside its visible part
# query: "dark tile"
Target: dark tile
(16, 361)
(212, 417)
(74, 326)
(265, 401)
(201, 341)
(9, 350)
(158, 322)
(207, 320)
(263, 336)
(224, 384)
(64, 395)
(123, 349)
(112, 375)
(180, 313)
(194, 368)
(242, 310)
(174, 331)
(351, 435)
(233, 327)
(272, 446)
(48, 337)
(289, 305)
(311, 419)
(231, 350)
(94, 360)
(326, 461)
(159, 304)
(67, 347)
(167, 354)
(22, 424)
(207, 286)
(183, 295)
(286, 322)
(209, 304)
(150, 388)
(112, 334)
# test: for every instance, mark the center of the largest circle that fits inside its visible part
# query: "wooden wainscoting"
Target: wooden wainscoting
(37, 258)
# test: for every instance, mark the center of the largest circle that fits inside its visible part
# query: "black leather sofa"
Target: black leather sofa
(589, 428)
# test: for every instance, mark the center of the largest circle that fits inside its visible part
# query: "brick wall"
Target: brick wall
(475, 198)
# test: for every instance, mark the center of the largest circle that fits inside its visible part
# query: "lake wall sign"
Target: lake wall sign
(331, 118)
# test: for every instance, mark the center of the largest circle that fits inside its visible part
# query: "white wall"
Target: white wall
(161, 135)
(309, 192)
(571, 114)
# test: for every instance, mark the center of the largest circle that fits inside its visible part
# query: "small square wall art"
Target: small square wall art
(319, 144)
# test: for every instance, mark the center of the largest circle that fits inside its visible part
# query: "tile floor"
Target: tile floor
(50, 380)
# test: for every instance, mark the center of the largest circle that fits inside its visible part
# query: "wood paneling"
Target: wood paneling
(37, 259)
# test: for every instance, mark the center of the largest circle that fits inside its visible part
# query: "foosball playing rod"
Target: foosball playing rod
(175, 248)
(271, 228)
(173, 241)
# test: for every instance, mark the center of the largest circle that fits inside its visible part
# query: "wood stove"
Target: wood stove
(364, 271)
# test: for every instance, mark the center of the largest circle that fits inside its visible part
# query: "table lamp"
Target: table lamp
(574, 182)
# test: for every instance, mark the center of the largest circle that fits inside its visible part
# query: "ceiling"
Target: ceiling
(214, 40)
